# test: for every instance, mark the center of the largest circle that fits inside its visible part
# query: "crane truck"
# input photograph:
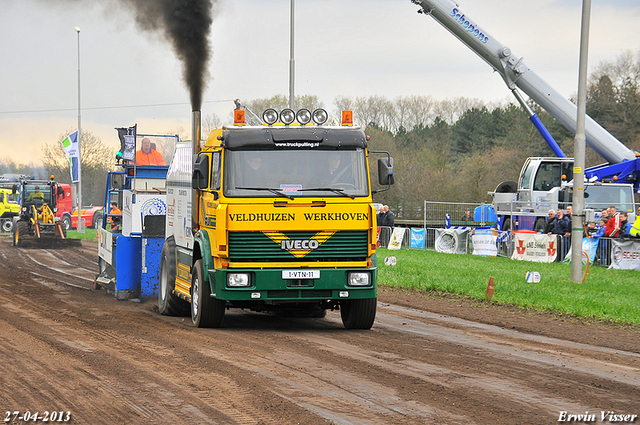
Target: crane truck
(272, 218)
(545, 182)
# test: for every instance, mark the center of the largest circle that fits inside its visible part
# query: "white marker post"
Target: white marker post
(532, 277)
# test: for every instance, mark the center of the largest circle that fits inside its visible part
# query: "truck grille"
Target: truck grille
(348, 245)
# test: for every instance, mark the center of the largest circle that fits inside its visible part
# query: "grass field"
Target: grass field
(88, 235)
(612, 295)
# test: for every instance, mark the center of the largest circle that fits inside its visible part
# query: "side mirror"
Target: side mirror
(200, 176)
(14, 189)
(385, 171)
(60, 191)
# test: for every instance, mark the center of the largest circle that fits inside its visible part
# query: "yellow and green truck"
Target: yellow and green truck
(277, 217)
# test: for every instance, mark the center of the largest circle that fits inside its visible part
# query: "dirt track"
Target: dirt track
(66, 347)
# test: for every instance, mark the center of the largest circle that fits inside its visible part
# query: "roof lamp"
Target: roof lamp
(287, 116)
(320, 116)
(303, 116)
(270, 116)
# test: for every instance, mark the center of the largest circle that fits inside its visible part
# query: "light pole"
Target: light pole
(80, 226)
(579, 150)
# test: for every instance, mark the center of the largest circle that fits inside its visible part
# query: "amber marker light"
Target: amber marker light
(238, 117)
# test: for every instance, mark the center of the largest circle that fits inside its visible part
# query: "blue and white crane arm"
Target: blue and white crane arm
(517, 75)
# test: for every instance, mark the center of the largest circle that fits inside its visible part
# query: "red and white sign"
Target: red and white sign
(535, 247)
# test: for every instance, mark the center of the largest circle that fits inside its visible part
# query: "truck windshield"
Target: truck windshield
(295, 173)
(599, 197)
(36, 194)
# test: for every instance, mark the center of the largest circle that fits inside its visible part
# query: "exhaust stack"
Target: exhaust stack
(196, 132)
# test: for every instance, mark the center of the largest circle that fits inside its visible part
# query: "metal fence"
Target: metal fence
(505, 244)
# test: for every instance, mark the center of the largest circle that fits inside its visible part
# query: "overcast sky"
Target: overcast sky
(343, 48)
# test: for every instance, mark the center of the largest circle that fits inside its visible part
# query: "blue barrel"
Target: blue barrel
(151, 256)
(485, 213)
(128, 265)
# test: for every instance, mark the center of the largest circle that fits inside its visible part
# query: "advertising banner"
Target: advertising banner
(484, 242)
(417, 238)
(589, 247)
(396, 237)
(535, 247)
(625, 255)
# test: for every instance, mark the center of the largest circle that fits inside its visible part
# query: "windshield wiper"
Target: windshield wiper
(276, 191)
(328, 189)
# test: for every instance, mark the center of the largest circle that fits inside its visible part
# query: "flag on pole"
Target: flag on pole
(127, 136)
(70, 145)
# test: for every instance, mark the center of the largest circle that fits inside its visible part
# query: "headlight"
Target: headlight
(303, 116)
(238, 280)
(270, 116)
(359, 279)
(287, 116)
(320, 116)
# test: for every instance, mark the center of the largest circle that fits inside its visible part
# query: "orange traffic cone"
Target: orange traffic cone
(489, 295)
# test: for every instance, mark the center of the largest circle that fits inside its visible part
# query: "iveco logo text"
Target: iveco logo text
(468, 25)
(299, 244)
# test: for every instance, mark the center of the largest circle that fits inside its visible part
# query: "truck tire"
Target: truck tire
(7, 225)
(20, 230)
(66, 221)
(97, 220)
(206, 311)
(358, 314)
(168, 303)
(507, 223)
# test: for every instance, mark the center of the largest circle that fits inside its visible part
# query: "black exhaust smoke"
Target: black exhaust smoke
(186, 25)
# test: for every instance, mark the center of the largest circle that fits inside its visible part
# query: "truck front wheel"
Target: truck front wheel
(168, 303)
(358, 314)
(206, 311)
(66, 221)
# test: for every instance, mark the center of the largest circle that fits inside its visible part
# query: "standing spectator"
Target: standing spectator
(613, 224)
(600, 232)
(605, 214)
(551, 220)
(625, 226)
(466, 217)
(634, 232)
(380, 215)
(388, 219)
(561, 225)
(568, 216)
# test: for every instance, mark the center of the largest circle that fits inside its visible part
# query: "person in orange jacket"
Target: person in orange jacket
(149, 156)
(115, 221)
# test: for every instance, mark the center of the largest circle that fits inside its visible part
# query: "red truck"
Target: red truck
(92, 216)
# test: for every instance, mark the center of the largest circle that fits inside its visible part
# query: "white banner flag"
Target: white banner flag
(396, 238)
(71, 149)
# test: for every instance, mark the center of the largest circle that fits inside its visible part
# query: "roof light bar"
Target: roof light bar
(320, 116)
(287, 116)
(270, 116)
(303, 116)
